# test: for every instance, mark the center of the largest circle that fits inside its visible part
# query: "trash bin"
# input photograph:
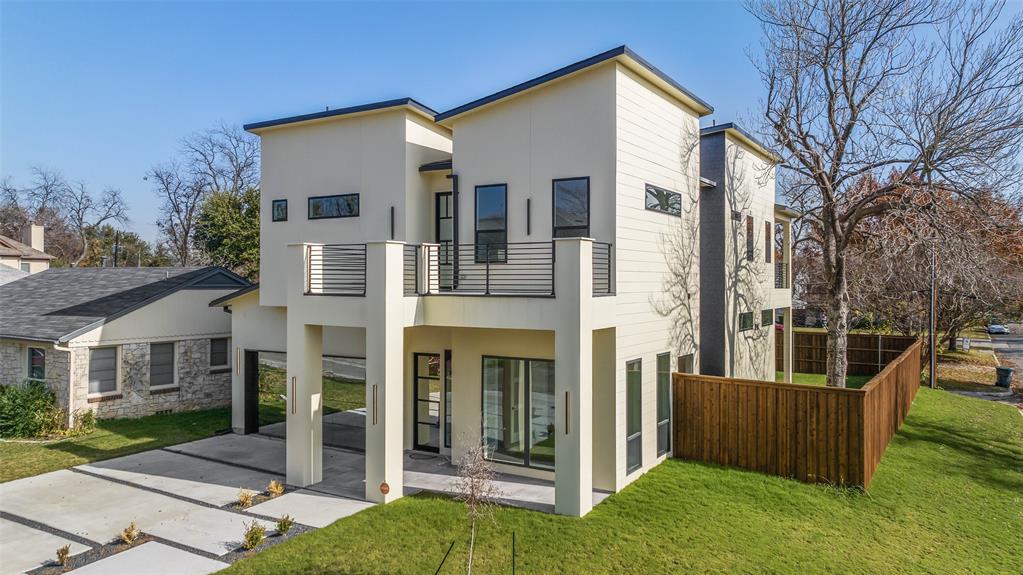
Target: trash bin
(1004, 376)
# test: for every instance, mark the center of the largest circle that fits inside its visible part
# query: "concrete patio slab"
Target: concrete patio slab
(211, 482)
(24, 548)
(311, 508)
(152, 558)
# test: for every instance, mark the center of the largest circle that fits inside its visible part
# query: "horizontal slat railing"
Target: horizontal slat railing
(603, 272)
(336, 270)
(410, 264)
(525, 268)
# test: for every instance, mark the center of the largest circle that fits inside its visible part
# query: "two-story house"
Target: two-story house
(522, 271)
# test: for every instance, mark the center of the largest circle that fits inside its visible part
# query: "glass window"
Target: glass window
(280, 211)
(746, 321)
(339, 206)
(768, 241)
(633, 415)
(218, 352)
(102, 369)
(572, 207)
(767, 317)
(749, 238)
(447, 398)
(161, 364)
(664, 201)
(663, 403)
(491, 222)
(36, 363)
(25, 267)
(518, 411)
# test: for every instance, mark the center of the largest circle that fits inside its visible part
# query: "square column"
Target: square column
(304, 385)
(573, 377)
(789, 339)
(384, 372)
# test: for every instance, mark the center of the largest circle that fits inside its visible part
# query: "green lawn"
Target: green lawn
(338, 395)
(112, 438)
(851, 381)
(947, 498)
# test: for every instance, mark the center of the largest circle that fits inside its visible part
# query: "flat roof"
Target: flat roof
(622, 52)
(371, 107)
(436, 166)
(742, 135)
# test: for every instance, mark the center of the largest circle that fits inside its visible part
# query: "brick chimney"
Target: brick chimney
(32, 236)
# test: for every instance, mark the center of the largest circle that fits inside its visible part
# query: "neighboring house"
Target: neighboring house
(123, 342)
(26, 255)
(522, 270)
(744, 269)
(8, 275)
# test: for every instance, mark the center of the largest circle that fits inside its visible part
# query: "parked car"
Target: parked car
(997, 328)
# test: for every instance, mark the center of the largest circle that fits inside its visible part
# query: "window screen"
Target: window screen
(572, 207)
(102, 369)
(218, 352)
(161, 364)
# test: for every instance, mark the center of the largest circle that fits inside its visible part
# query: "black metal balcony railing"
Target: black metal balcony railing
(410, 263)
(525, 268)
(602, 270)
(336, 270)
(781, 275)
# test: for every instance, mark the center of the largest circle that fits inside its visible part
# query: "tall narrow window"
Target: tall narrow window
(768, 241)
(36, 363)
(219, 356)
(749, 238)
(633, 415)
(161, 364)
(491, 223)
(571, 207)
(447, 398)
(102, 370)
(663, 403)
(518, 411)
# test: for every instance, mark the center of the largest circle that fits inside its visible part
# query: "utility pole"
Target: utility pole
(932, 321)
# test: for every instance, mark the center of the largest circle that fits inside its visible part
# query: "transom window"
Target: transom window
(36, 363)
(491, 223)
(664, 201)
(518, 411)
(571, 207)
(338, 206)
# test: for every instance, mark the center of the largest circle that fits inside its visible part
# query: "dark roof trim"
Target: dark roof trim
(435, 166)
(226, 298)
(342, 112)
(719, 128)
(571, 68)
(213, 271)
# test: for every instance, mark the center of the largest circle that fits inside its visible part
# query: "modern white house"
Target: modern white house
(121, 342)
(522, 271)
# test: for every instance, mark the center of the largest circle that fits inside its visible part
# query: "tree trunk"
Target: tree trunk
(952, 337)
(472, 543)
(838, 311)
(85, 250)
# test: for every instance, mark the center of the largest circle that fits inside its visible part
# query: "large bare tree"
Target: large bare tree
(919, 94)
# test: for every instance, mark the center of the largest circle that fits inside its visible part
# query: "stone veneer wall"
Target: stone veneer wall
(198, 387)
(14, 367)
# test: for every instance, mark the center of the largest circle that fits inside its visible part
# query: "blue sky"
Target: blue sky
(102, 92)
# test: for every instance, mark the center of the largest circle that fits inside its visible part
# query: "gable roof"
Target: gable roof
(13, 248)
(362, 108)
(59, 304)
(622, 53)
(228, 298)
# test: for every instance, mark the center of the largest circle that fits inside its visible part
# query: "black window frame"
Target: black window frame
(768, 240)
(751, 228)
(638, 435)
(663, 393)
(767, 314)
(273, 210)
(42, 352)
(554, 209)
(752, 321)
(646, 190)
(527, 407)
(483, 256)
(309, 210)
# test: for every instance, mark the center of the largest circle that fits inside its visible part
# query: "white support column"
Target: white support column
(305, 406)
(384, 372)
(573, 377)
(789, 340)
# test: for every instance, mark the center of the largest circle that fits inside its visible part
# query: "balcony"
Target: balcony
(781, 275)
(338, 269)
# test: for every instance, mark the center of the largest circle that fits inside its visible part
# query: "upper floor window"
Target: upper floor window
(26, 267)
(768, 241)
(491, 222)
(664, 201)
(339, 206)
(767, 317)
(571, 207)
(746, 321)
(36, 363)
(749, 238)
(279, 212)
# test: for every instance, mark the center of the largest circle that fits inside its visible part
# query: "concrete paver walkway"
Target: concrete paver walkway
(25, 548)
(152, 558)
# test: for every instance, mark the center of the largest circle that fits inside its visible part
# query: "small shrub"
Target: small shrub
(84, 421)
(245, 497)
(255, 533)
(130, 534)
(29, 410)
(63, 555)
(284, 524)
(275, 489)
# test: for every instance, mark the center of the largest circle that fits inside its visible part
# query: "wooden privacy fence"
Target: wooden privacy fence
(814, 434)
(868, 353)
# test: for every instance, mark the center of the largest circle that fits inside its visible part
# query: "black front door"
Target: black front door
(426, 398)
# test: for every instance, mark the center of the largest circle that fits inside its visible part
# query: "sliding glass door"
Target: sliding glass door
(518, 411)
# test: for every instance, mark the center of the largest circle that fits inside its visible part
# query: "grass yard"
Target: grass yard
(112, 438)
(338, 395)
(947, 498)
(851, 381)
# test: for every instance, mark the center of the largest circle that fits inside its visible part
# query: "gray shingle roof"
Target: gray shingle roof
(9, 274)
(56, 304)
